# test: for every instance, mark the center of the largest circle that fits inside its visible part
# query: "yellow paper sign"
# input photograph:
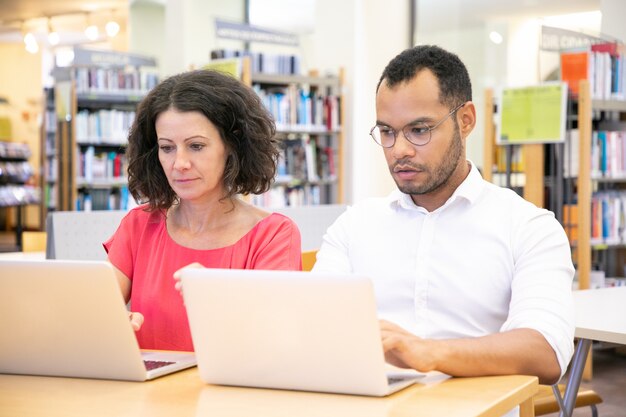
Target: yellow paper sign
(532, 114)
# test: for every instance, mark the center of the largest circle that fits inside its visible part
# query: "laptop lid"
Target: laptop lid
(68, 318)
(286, 329)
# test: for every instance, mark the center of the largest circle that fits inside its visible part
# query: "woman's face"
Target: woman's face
(192, 154)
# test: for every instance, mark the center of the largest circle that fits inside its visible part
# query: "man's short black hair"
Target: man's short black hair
(455, 86)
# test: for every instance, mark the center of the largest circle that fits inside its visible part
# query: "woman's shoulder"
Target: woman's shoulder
(140, 215)
(274, 223)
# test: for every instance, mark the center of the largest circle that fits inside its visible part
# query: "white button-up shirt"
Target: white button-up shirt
(484, 262)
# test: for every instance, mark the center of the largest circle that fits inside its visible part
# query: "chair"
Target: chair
(308, 259)
(545, 401)
(33, 241)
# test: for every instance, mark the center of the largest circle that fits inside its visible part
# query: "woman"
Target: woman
(199, 139)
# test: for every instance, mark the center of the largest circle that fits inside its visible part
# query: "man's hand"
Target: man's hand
(406, 350)
(514, 352)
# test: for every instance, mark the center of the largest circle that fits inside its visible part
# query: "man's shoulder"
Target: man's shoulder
(372, 204)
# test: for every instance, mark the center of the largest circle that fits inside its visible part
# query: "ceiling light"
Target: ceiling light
(53, 35)
(91, 31)
(112, 28)
(54, 38)
(496, 37)
(30, 43)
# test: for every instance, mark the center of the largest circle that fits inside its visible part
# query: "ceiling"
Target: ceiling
(14, 11)
(68, 17)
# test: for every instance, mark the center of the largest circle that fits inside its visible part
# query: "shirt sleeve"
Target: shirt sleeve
(333, 255)
(279, 246)
(541, 289)
(120, 247)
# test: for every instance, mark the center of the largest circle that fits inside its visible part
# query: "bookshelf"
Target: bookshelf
(94, 106)
(307, 110)
(48, 156)
(15, 188)
(601, 185)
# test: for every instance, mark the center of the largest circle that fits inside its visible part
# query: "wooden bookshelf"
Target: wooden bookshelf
(321, 181)
(94, 104)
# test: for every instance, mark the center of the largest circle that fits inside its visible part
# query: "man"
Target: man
(470, 279)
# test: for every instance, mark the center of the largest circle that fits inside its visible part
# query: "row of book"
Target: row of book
(15, 172)
(105, 199)
(608, 217)
(608, 154)
(14, 150)
(282, 196)
(303, 159)
(128, 80)
(602, 64)
(102, 165)
(516, 155)
(300, 108)
(263, 63)
(15, 195)
(103, 126)
(50, 121)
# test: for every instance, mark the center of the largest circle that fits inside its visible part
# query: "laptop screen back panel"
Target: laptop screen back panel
(292, 330)
(66, 318)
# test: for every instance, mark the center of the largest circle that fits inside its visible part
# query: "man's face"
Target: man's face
(419, 170)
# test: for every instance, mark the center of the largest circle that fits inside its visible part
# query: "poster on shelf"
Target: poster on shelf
(230, 66)
(532, 114)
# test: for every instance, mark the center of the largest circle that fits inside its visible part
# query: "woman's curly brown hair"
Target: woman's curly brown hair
(246, 127)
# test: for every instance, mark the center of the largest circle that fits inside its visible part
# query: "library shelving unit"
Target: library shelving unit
(95, 101)
(307, 110)
(15, 190)
(48, 157)
(601, 185)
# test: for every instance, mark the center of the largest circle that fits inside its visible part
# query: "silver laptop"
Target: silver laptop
(290, 330)
(68, 318)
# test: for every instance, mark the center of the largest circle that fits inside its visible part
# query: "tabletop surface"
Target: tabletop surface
(601, 314)
(184, 394)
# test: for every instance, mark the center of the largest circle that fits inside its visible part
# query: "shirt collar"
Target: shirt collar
(469, 190)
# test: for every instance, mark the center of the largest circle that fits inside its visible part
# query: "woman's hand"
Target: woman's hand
(179, 285)
(136, 320)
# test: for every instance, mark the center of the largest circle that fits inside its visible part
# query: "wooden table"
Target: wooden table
(600, 315)
(183, 394)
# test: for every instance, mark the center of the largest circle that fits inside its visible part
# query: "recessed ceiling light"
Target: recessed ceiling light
(496, 37)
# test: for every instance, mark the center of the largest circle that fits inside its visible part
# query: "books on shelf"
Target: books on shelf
(608, 214)
(517, 159)
(303, 159)
(103, 166)
(121, 80)
(284, 195)
(103, 126)
(602, 64)
(608, 154)
(105, 199)
(263, 63)
(300, 108)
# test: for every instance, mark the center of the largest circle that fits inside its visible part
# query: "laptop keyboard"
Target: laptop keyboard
(150, 365)
(395, 379)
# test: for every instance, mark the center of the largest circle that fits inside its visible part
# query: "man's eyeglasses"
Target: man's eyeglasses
(418, 133)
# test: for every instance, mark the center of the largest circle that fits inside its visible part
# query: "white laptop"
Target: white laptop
(68, 318)
(289, 330)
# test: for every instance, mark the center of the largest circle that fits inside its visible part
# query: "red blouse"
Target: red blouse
(144, 251)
